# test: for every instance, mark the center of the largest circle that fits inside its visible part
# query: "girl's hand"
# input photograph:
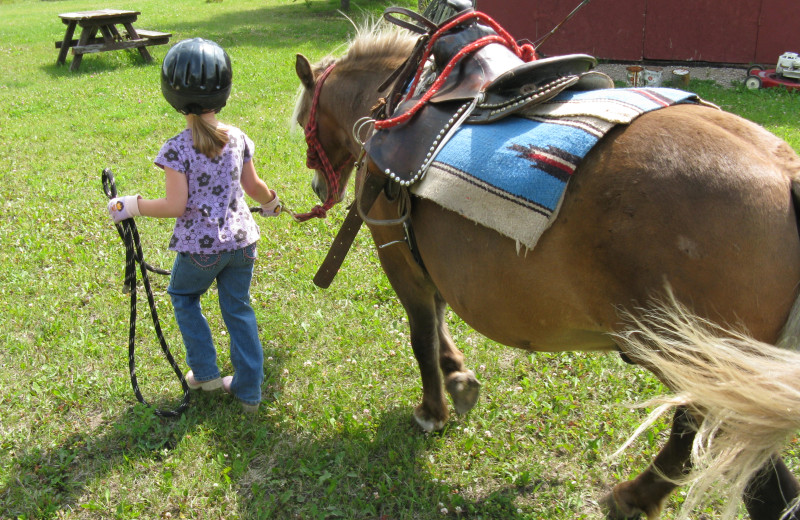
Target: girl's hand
(273, 207)
(121, 208)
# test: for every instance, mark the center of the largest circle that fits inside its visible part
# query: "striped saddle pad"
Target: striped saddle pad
(511, 175)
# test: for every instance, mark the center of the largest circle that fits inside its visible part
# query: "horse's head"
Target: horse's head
(335, 95)
(330, 148)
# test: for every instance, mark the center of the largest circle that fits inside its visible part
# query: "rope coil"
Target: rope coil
(133, 255)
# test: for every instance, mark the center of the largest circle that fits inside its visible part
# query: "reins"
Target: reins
(133, 255)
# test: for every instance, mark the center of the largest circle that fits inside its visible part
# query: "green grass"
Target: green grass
(335, 437)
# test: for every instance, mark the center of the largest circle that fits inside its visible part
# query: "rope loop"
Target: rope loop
(525, 52)
(133, 255)
(316, 212)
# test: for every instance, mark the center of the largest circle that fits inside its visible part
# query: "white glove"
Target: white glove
(122, 208)
(273, 207)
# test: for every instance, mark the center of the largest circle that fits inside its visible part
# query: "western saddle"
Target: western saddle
(465, 70)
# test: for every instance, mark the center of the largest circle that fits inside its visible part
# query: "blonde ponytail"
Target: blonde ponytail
(208, 139)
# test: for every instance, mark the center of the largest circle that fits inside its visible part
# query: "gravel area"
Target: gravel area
(723, 76)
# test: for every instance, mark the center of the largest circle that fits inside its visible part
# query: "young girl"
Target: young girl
(207, 167)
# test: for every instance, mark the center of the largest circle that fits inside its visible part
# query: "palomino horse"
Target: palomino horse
(687, 202)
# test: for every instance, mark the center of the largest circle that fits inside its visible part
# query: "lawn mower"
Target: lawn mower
(785, 74)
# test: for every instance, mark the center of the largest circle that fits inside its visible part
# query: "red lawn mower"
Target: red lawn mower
(785, 74)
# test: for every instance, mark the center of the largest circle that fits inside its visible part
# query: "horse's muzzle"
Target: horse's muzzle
(319, 186)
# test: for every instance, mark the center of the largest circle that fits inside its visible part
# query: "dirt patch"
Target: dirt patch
(723, 76)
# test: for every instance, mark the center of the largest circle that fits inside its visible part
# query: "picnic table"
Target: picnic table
(105, 22)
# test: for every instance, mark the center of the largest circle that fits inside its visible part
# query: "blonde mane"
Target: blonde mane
(376, 45)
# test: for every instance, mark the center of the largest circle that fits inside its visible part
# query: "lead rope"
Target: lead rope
(133, 255)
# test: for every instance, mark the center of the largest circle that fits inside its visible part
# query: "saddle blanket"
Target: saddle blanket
(511, 175)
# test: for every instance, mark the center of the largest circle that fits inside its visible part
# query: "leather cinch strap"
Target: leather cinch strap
(347, 233)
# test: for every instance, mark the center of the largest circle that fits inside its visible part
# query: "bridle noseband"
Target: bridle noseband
(317, 159)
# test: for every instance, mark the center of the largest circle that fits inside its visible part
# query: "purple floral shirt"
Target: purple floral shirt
(217, 218)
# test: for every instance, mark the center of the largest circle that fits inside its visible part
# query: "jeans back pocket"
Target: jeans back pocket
(204, 261)
(250, 252)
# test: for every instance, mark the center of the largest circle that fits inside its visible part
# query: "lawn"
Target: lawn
(334, 437)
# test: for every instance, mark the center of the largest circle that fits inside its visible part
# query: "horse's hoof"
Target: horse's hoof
(615, 511)
(464, 388)
(427, 422)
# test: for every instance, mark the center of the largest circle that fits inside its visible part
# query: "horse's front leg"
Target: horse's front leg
(418, 297)
(434, 350)
(460, 382)
(646, 493)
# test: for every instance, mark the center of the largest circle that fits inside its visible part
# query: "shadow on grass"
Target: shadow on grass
(96, 63)
(272, 27)
(285, 26)
(377, 471)
(381, 471)
(40, 482)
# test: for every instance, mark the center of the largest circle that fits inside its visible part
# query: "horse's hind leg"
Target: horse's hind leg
(646, 493)
(460, 382)
(771, 491)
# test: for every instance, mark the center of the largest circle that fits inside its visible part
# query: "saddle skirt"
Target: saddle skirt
(511, 175)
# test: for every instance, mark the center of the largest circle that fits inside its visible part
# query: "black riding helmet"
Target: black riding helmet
(196, 76)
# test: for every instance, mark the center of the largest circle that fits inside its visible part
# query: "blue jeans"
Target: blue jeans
(192, 276)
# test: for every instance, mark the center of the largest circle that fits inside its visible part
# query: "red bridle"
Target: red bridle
(317, 158)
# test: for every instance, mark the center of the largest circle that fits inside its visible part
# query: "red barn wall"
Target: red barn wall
(716, 31)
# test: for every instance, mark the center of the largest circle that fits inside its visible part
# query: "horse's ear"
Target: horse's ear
(303, 68)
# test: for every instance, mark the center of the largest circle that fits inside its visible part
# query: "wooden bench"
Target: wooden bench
(105, 21)
(145, 38)
(154, 37)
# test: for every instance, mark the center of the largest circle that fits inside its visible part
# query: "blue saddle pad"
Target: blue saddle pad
(511, 175)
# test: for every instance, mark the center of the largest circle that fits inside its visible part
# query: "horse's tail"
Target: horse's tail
(746, 392)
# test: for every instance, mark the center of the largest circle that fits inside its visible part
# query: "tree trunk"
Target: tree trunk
(345, 5)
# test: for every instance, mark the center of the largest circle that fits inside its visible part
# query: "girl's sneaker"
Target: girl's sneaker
(226, 386)
(208, 386)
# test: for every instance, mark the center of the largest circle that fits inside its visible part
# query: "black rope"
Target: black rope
(133, 255)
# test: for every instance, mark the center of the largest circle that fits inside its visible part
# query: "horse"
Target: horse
(676, 245)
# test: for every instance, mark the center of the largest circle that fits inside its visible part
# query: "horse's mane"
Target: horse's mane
(375, 46)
